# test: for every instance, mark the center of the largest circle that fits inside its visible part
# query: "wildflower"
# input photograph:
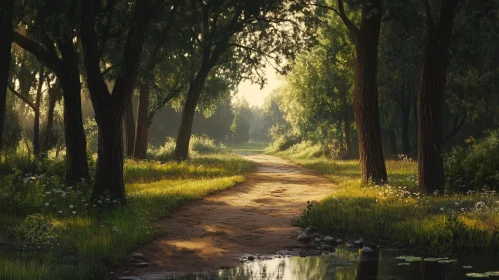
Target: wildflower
(480, 205)
(60, 212)
(71, 206)
(74, 212)
(46, 204)
(441, 209)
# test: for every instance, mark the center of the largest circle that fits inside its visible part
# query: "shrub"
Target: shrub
(285, 142)
(203, 144)
(36, 232)
(199, 144)
(474, 165)
(163, 153)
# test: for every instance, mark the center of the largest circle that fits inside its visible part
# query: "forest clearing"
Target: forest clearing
(249, 139)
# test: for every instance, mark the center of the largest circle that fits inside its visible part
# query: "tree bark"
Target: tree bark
(129, 127)
(142, 132)
(36, 110)
(347, 138)
(67, 70)
(5, 53)
(109, 172)
(431, 97)
(48, 136)
(110, 107)
(366, 104)
(185, 129)
(74, 134)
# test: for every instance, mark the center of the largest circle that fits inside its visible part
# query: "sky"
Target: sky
(252, 92)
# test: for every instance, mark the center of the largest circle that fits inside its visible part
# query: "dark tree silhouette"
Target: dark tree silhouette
(5, 52)
(431, 95)
(366, 103)
(110, 107)
(59, 54)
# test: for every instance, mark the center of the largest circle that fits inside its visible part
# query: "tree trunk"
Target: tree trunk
(36, 121)
(5, 53)
(48, 137)
(431, 98)
(129, 127)
(184, 133)
(142, 132)
(109, 172)
(347, 138)
(366, 108)
(74, 134)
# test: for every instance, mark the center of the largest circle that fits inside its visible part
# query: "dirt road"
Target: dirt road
(251, 218)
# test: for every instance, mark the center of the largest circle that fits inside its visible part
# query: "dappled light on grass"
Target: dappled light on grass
(396, 211)
(89, 242)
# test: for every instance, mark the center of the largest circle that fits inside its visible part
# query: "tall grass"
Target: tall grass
(90, 241)
(443, 223)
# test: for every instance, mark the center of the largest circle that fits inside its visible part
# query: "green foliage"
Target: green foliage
(284, 142)
(36, 232)
(94, 239)
(397, 212)
(474, 166)
(240, 129)
(309, 149)
(203, 144)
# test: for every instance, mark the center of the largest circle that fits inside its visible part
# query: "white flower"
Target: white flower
(74, 212)
(441, 209)
(60, 212)
(46, 204)
(71, 206)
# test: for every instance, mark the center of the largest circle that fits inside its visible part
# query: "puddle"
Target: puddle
(346, 264)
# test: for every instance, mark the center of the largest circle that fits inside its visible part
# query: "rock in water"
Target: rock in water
(325, 247)
(303, 237)
(367, 250)
(328, 239)
(142, 264)
(138, 256)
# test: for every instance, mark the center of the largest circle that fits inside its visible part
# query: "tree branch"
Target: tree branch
(349, 24)
(49, 58)
(23, 98)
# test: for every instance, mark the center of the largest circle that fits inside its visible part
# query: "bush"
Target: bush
(285, 142)
(163, 153)
(36, 232)
(199, 144)
(203, 144)
(474, 166)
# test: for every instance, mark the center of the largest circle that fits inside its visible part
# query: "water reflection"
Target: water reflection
(348, 265)
(433, 271)
(367, 268)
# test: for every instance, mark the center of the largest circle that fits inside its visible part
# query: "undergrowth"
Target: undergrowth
(49, 230)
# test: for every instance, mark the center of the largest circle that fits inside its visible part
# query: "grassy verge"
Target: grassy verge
(67, 238)
(448, 223)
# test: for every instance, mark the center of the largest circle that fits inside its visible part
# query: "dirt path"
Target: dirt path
(251, 218)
